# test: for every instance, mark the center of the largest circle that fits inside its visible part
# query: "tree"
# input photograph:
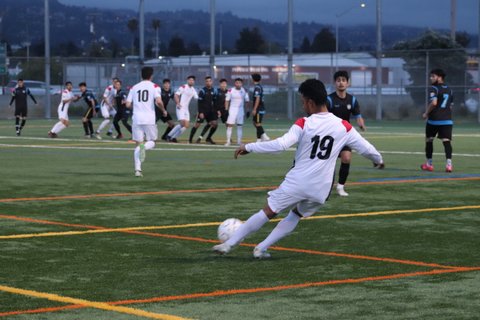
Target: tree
(176, 46)
(156, 26)
(306, 46)
(442, 53)
(250, 41)
(324, 41)
(132, 25)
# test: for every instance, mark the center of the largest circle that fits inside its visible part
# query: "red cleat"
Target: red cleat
(448, 168)
(426, 167)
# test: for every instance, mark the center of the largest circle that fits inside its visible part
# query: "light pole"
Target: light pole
(337, 16)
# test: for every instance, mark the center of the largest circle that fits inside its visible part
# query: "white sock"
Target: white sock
(111, 128)
(229, 134)
(136, 158)
(179, 133)
(149, 145)
(60, 126)
(253, 223)
(56, 127)
(283, 228)
(239, 134)
(103, 125)
(340, 186)
(174, 131)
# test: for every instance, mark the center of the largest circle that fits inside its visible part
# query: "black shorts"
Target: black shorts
(122, 114)
(159, 116)
(224, 115)
(211, 116)
(442, 132)
(258, 118)
(21, 111)
(345, 148)
(89, 113)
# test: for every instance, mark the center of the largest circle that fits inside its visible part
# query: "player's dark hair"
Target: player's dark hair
(115, 79)
(239, 79)
(191, 77)
(256, 77)
(341, 73)
(67, 83)
(119, 81)
(208, 77)
(19, 80)
(147, 73)
(223, 80)
(82, 84)
(166, 80)
(315, 90)
(438, 72)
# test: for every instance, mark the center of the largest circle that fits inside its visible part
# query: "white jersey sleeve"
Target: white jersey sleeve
(362, 146)
(228, 96)
(180, 90)
(278, 145)
(247, 98)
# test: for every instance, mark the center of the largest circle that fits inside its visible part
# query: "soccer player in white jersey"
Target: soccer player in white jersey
(319, 137)
(182, 97)
(107, 109)
(142, 99)
(235, 102)
(67, 97)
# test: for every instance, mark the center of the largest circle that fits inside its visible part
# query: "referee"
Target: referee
(19, 95)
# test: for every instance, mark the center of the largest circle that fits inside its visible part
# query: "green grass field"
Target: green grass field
(82, 238)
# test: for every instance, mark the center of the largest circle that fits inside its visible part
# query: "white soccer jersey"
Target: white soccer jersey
(320, 138)
(143, 96)
(109, 94)
(237, 97)
(186, 94)
(63, 106)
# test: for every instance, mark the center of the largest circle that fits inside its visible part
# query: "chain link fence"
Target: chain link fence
(405, 78)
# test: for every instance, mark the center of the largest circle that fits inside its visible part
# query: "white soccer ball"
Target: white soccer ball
(228, 228)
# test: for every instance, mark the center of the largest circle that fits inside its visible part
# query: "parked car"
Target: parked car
(36, 87)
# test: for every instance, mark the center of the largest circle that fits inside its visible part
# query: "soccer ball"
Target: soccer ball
(227, 228)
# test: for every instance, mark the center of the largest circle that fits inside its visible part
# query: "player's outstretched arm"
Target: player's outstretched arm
(364, 148)
(240, 151)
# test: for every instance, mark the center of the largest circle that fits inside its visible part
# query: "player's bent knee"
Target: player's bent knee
(269, 212)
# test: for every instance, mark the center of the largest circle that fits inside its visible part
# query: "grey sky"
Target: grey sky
(422, 13)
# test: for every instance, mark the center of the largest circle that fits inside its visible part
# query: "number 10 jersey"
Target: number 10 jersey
(143, 96)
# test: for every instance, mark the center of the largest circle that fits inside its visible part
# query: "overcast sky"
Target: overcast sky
(422, 13)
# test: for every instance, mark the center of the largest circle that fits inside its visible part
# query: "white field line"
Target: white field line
(198, 148)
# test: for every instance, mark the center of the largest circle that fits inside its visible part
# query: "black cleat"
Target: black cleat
(174, 140)
(210, 141)
(199, 140)
(109, 134)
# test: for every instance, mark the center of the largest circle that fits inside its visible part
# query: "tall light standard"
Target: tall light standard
(337, 16)
(379, 60)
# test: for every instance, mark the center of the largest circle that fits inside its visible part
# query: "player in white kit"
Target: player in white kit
(142, 99)
(182, 97)
(236, 101)
(67, 97)
(107, 109)
(319, 137)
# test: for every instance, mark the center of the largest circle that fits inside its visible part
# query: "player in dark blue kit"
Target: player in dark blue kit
(258, 109)
(439, 119)
(91, 102)
(167, 95)
(19, 95)
(123, 113)
(344, 106)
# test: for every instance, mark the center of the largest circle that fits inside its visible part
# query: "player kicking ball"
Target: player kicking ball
(319, 137)
(142, 99)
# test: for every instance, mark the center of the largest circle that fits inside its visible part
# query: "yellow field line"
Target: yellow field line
(90, 304)
(209, 224)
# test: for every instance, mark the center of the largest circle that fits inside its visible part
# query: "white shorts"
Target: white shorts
(235, 116)
(141, 132)
(107, 112)
(62, 114)
(183, 114)
(279, 200)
